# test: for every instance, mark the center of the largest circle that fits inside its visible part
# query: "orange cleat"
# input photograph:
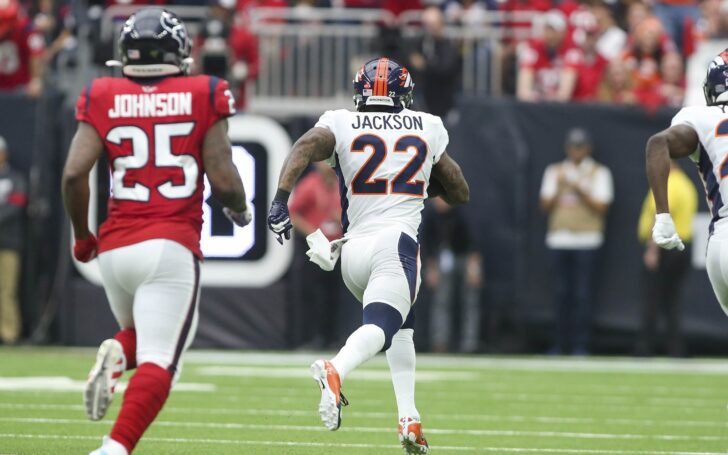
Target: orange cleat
(411, 437)
(332, 399)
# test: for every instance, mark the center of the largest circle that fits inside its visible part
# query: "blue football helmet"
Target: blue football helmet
(383, 82)
(154, 42)
(715, 86)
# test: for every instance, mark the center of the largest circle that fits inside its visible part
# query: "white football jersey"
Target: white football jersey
(711, 125)
(383, 161)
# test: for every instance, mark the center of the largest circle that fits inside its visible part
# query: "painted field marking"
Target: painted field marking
(373, 414)
(66, 384)
(500, 433)
(362, 375)
(361, 446)
(523, 363)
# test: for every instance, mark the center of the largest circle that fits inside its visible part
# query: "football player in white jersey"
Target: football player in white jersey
(700, 132)
(388, 159)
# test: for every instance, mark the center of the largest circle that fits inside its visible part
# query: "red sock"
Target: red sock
(127, 338)
(147, 391)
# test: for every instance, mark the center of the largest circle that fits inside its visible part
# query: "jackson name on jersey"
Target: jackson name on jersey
(384, 162)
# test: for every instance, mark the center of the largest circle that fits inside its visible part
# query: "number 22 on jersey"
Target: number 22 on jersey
(163, 157)
(403, 183)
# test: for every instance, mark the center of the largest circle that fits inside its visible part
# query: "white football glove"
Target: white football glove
(242, 219)
(664, 233)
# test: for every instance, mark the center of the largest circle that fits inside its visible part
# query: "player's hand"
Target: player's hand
(664, 233)
(85, 249)
(279, 221)
(242, 219)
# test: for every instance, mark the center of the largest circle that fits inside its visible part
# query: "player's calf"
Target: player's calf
(146, 394)
(127, 338)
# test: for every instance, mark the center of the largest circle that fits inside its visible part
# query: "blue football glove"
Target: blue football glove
(279, 220)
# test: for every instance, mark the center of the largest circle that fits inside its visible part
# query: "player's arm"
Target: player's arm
(448, 182)
(86, 148)
(317, 144)
(675, 142)
(225, 182)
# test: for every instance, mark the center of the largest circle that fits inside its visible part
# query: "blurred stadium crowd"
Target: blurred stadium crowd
(625, 52)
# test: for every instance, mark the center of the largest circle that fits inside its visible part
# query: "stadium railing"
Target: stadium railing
(308, 56)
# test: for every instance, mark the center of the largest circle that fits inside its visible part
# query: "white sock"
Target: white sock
(401, 358)
(110, 447)
(361, 346)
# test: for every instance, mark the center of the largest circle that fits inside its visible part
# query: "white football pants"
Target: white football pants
(384, 268)
(153, 287)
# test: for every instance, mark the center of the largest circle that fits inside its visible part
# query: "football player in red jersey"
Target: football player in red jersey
(161, 131)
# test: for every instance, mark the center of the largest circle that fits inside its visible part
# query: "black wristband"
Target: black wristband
(282, 195)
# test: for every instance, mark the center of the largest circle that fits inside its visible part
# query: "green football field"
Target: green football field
(265, 403)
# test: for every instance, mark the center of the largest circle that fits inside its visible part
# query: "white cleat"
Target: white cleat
(102, 379)
(332, 399)
(411, 437)
(110, 447)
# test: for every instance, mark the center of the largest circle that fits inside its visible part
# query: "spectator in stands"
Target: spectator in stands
(465, 12)
(576, 194)
(512, 31)
(435, 64)
(665, 270)
(637, 11)
(612, 39)
(246, 62)
(397, 7)
(649, 46)
(584, 66)
(453, 273)
(21, 52)
(229, 50)
(673, 81)
(541, 62)
(675, 15)
(617, 86)
(315, 204)
(13, 200)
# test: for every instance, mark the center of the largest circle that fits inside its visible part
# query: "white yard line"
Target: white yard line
(362, 446)
(370, 414)
(525, 363)
(359, 429)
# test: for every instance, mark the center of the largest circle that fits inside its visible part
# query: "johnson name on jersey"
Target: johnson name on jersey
(153, 135)
(711, 125)
(384, 161)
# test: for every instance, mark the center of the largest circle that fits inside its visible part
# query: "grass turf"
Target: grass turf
(264, 403)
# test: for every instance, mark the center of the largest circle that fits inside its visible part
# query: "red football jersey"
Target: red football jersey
(153, 135)
(546, 64)
(16, 50)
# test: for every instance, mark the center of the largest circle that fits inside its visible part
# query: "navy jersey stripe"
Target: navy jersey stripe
(408, 252)
(343, 190)
(87, 90)
(712, 186)
(213, 85)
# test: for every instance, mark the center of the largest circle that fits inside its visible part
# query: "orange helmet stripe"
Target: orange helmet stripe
(380, 80)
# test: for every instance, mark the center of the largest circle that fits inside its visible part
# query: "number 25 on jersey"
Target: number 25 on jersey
(163, 157)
